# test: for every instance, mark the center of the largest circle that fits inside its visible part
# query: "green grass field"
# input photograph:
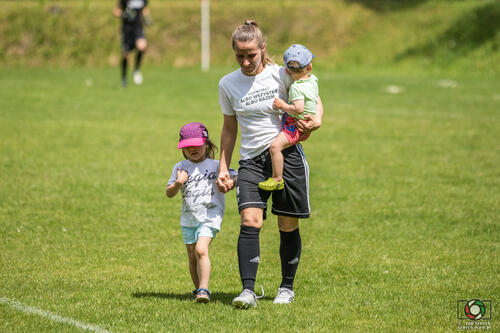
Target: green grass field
(405, 186)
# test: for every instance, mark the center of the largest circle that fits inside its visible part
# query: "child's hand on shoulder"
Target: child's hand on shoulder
(182, 176)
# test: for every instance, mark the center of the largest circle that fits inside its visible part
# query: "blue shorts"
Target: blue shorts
(190, 234)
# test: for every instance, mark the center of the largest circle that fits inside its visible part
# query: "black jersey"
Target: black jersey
(132, 12)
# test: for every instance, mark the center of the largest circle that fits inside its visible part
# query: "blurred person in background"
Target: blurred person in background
(133, 13)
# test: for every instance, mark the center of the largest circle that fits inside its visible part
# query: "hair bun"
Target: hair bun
(251, 22)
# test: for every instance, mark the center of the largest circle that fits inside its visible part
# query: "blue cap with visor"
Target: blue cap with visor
(298, 53)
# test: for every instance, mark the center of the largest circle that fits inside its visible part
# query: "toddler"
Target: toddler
(303, 97)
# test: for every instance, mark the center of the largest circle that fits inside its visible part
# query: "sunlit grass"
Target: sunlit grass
(404, 192)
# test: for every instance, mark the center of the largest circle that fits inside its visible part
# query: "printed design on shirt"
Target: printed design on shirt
(286, 124)
(135, 4)
(259, 95)
(133, 10)
(199, 186)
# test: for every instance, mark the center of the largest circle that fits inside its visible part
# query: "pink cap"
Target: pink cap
(192, 134)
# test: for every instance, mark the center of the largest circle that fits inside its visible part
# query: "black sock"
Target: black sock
(248, 255)
(138, 58)
(290, 248)
(124, 68)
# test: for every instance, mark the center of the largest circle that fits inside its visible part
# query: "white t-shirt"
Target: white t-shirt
(201, 200)
(250, 99)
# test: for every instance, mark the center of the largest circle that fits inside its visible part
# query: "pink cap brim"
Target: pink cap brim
(194, 142)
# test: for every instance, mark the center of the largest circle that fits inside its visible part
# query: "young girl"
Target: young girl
(202, 203)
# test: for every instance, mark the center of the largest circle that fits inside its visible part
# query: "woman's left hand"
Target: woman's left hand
(308, 124)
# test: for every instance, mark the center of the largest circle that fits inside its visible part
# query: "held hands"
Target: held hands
(224, 182)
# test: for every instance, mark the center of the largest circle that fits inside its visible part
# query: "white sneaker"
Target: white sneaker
(137, 77)
(285, 296)
(247, 299)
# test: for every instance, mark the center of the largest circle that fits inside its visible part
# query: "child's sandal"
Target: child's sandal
(201, 295)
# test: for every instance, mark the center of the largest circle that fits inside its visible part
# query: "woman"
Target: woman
(246, 97)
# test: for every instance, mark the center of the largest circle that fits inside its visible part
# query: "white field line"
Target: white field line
(52, 316)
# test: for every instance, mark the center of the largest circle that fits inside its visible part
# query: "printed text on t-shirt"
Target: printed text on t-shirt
(260, 95)
(192, 185)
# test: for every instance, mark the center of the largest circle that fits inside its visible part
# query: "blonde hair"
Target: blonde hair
(293, 67)
(250, 31)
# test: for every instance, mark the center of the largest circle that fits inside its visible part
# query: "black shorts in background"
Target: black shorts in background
(293, 201)
(129, 36)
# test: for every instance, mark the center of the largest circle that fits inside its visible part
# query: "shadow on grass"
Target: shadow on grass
(217, 297)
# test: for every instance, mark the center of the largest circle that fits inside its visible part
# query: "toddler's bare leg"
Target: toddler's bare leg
(278, 144)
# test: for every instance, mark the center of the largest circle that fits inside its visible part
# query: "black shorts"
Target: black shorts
(130, 36)
(293, 201)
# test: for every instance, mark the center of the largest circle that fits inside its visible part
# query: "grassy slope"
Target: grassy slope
(415, 36)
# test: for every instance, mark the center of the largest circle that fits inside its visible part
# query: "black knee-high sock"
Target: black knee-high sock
(290, 249)
(124, 68)
(248, 255)
(138, 59)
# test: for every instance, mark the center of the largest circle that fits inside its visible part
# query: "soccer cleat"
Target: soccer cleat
(124, 83)
(285, 296)
(246, 299)
(270, 184)
(137, 77)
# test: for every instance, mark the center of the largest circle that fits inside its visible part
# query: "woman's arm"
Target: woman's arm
(309, 124)
(227, 142)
